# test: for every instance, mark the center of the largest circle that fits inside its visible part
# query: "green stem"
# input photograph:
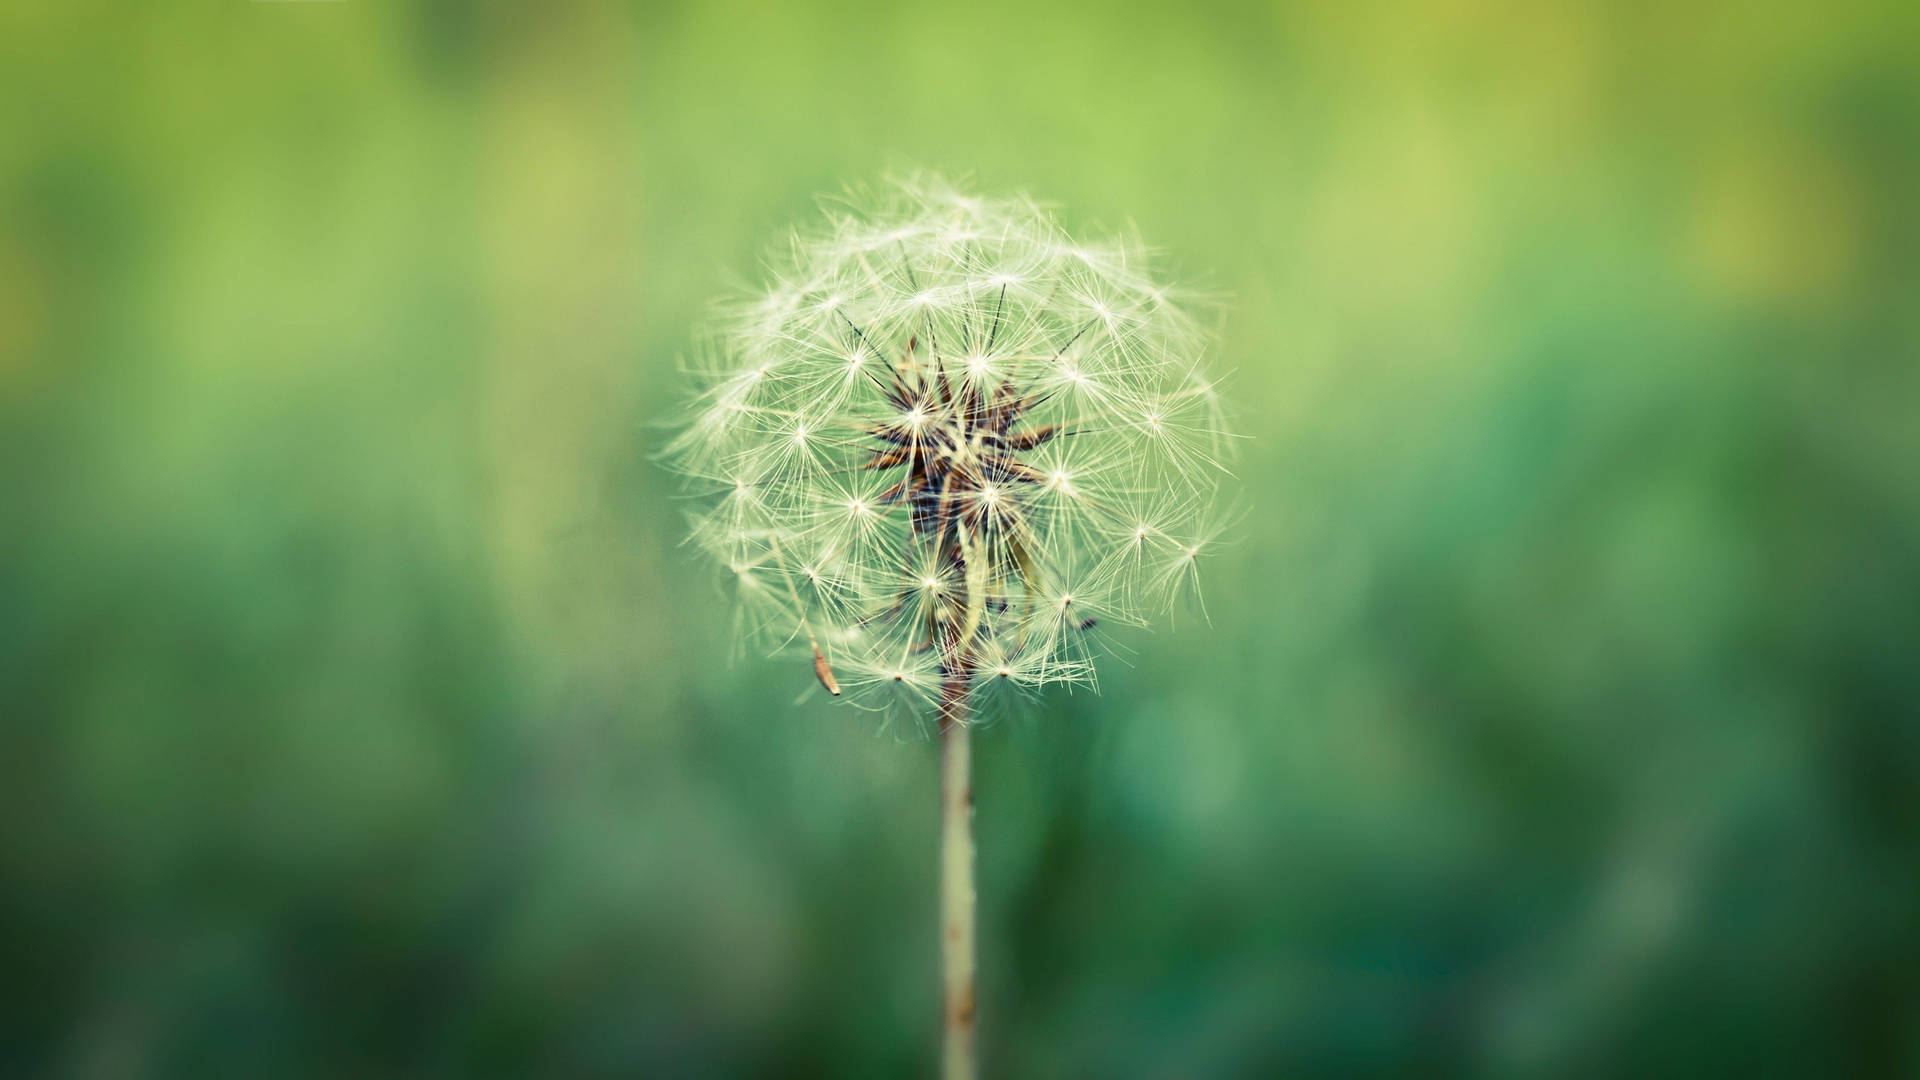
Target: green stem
(956, 880)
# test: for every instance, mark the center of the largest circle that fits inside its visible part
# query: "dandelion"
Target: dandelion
(945, 445)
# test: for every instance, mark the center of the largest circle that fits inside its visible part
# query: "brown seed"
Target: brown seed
(887, 459)
(1027, 440)
(824, 672)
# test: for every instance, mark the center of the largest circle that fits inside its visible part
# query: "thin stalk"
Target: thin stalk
(956, 879)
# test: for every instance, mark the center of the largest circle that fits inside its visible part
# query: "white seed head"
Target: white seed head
(949, 440)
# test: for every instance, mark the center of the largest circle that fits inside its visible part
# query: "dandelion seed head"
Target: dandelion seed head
(948, 438)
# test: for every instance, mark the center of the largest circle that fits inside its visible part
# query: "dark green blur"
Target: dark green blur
(360, 715)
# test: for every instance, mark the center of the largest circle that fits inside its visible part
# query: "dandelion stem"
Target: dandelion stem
(956, 878)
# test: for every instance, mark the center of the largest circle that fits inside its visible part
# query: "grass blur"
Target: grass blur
(1560, 712)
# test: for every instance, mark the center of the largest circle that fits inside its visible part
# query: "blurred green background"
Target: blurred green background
(362, 717)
